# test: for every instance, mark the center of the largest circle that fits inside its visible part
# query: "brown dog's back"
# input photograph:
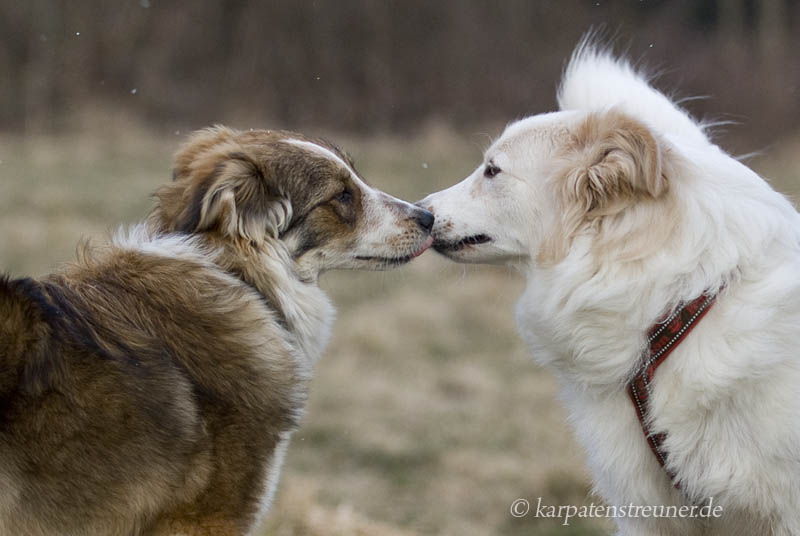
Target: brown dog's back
(135, 391)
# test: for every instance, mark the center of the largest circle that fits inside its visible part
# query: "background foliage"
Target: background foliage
(377, 65)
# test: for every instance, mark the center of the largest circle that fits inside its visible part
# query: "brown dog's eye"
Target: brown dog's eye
(491, 170)
(345, 197)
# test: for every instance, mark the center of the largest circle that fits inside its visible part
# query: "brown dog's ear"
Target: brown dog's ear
(614, 160)
(199, 144)
(220, 186)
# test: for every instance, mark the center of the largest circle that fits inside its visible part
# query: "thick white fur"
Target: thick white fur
(728, 398)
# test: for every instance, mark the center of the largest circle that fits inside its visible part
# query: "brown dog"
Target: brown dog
(151, 387)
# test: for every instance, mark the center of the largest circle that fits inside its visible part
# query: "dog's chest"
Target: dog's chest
(309, 315)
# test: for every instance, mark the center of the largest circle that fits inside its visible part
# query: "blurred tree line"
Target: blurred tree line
(370, 66)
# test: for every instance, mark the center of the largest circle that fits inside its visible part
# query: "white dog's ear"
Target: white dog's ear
(613, 161)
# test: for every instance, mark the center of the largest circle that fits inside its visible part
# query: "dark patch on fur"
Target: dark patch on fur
(190, 218)
(39, 368)
(72, 326)
(307, 244)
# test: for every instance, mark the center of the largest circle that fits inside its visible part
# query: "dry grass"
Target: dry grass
(426, 416)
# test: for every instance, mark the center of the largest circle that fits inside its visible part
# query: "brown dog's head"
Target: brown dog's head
(248, 187)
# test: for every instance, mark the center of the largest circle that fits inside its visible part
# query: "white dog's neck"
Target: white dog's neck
(591, 332)
(587, 320)
(587, 316)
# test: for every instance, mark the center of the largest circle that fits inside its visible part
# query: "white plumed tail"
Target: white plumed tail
(595, 79)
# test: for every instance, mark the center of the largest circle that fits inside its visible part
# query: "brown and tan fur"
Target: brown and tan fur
(151, 387)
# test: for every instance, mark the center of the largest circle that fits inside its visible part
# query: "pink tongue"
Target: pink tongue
(425, 246)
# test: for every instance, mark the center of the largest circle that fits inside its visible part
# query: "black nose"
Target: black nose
(424, 219)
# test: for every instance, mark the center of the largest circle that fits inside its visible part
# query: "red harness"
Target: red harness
(664, 337)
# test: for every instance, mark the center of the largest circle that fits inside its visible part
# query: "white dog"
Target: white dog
(620, 211)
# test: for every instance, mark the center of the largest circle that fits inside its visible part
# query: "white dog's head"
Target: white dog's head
(600, 168)
(546, 178)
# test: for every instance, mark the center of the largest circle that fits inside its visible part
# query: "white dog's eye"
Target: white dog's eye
(491, 170)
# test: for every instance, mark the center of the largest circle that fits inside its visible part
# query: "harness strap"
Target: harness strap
(663, 338)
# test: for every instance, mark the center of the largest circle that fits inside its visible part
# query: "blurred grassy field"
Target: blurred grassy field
(426, 416)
